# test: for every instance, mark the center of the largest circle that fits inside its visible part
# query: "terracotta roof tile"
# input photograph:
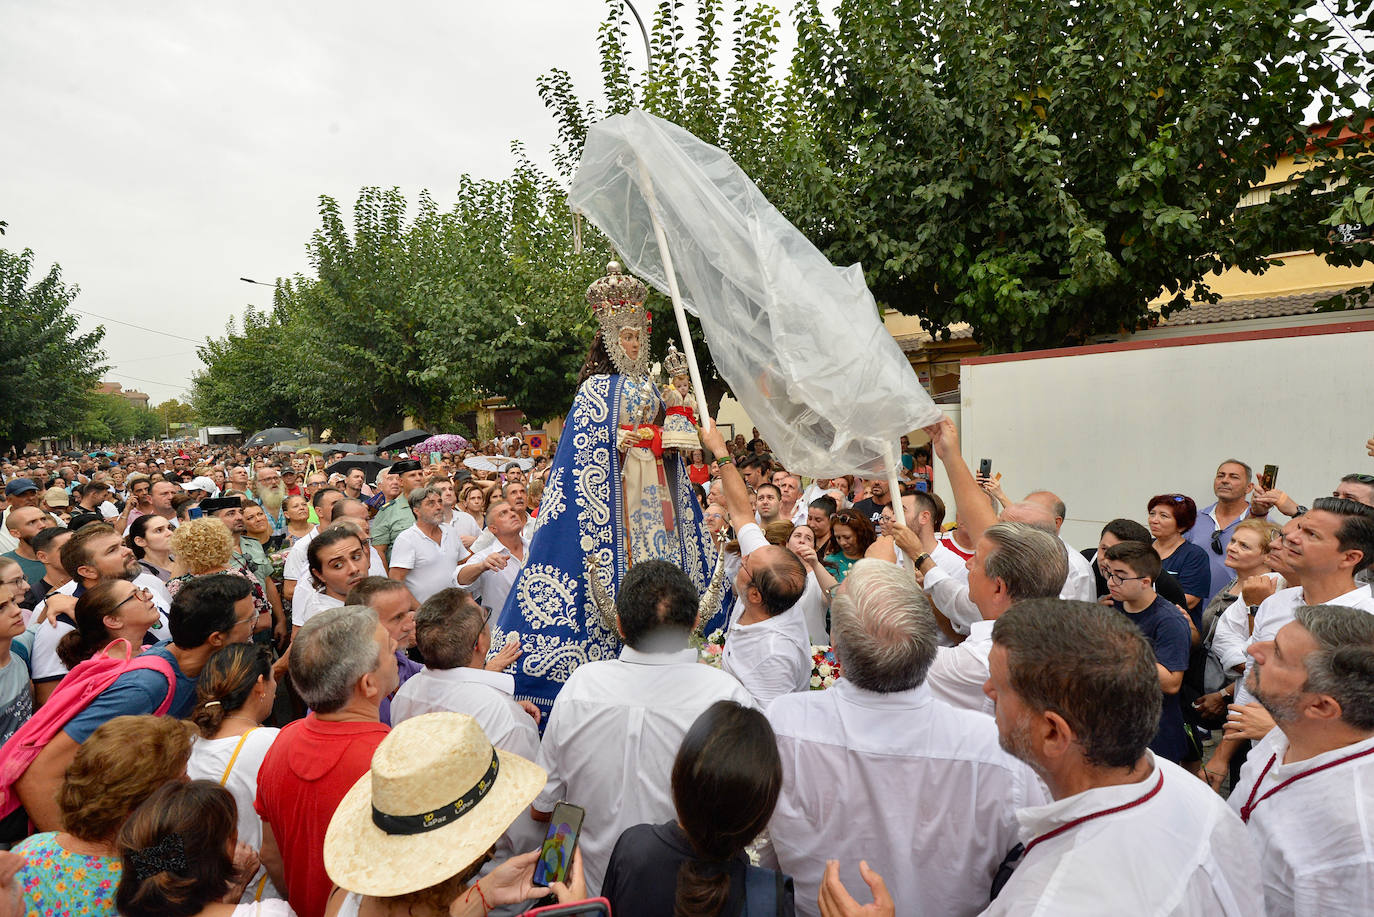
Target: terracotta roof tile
(1231, 310)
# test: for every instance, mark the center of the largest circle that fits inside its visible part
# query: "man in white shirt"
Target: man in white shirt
(1332, 542)
(490, 573)
(617, 724)
(876, 769)
(792, 506)
(1305, 791)
(453, 636)
(1080, 584)
(1011, 562)
(768, 645)
(1077, 695)
(514, 493)
(426, 556)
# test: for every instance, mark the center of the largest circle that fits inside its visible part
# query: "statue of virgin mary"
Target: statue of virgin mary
(613, 498)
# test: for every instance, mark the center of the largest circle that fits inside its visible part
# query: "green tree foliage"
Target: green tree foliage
(507, 314)
(172, 412)
(113, 419)
(1042, 171)
(48, 369)
(247, 372)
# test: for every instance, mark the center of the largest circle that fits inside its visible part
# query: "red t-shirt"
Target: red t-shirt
(699, 474)
(306, 774)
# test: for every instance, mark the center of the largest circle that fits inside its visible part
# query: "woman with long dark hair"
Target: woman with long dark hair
(726, 780)
(150, 538)
(104, 613)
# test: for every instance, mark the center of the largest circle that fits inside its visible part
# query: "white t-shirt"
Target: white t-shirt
(492, 586)
(612, 738)
(209, 758)
(432, 566)
(769, 657)
(311, 603)
(47, 666)
(306, 583)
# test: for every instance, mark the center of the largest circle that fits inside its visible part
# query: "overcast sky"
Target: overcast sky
(160, 150)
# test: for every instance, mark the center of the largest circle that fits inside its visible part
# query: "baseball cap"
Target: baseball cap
(20, 486)
(56, 496)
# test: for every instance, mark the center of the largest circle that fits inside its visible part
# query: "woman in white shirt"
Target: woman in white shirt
(234, 695)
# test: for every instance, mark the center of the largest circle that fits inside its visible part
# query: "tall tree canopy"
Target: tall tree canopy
(48, 369)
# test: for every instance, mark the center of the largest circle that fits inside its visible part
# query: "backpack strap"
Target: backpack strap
(224, 778)
(158, 663)
(22, 651)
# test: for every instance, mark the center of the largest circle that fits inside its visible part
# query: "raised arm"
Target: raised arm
(736, 491)
(974, 510)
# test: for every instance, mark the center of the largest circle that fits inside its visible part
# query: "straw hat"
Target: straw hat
(431, 784)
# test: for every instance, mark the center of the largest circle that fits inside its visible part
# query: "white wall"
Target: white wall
(1107, 431)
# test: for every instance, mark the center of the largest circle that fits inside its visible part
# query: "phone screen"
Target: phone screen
(194, 512)
(555, 856)
(1270, 477)
(985, 468)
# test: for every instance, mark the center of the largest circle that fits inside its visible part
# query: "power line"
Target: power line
(156, 356)
(141, 327)
(1338, 22)
(180, 385)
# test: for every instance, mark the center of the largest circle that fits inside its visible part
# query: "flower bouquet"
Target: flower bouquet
(710, 647)
(825, 667)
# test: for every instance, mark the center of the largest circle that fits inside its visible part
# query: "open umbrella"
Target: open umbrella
(441, 442)
(274, 435)
(370, 466)
(328, 449)
(402, 439)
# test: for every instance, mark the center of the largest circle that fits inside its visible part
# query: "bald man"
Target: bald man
(768, 646)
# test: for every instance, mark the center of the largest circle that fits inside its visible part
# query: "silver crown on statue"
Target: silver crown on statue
(675, 362)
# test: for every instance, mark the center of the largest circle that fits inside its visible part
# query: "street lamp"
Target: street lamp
(648, 53)
(258, 282)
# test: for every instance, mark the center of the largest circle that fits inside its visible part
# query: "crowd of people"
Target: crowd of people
(233, 682)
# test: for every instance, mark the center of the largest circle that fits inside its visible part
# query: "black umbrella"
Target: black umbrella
(402, 439)
(370, 466)
(328, 449)
(272, 436)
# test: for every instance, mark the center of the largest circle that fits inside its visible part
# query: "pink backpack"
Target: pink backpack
(81, 685)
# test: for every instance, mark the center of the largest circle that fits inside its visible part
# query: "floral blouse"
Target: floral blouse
(58, 883)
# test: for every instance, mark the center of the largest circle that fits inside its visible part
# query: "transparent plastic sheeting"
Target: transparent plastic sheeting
(798, 341)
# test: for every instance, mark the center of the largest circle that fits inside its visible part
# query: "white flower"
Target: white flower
(823, 670)
(815, 681)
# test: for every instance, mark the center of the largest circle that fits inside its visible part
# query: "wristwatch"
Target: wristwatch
(920, 559)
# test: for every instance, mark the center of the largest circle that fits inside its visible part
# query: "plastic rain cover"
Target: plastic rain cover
(798, 341)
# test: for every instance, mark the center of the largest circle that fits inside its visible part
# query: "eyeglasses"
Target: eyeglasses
(1118, 578)
(140, 592)
(14, 583)
(1216, 541)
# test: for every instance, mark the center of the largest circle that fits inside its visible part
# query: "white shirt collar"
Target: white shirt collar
(501, 681)
(630, 654)
(918, 696)
(1038, 820)
(1280, 771)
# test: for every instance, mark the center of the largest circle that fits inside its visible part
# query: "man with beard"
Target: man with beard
(877, 500)
(355, 485)
(271, 495)
(1305, 790)
(92, 555)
